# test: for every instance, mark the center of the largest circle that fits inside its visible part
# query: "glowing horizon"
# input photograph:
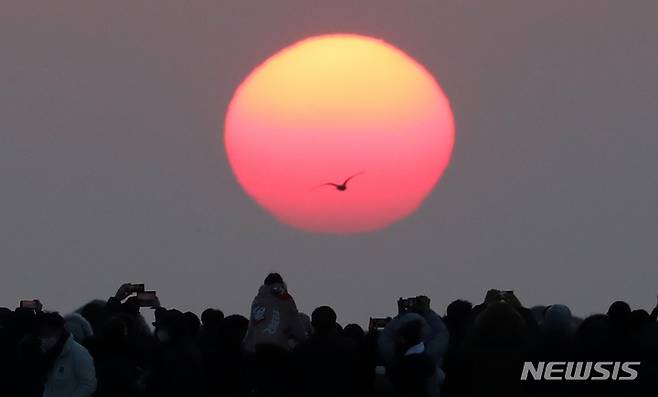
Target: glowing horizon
(325, 108)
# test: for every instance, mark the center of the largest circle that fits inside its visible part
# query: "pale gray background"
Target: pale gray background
(112, 165)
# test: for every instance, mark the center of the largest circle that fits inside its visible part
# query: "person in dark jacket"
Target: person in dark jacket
(118, 365)
(325, 362)
(177, 364)
(491, 358)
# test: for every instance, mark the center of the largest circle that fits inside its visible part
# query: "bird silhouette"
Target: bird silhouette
(341, 187)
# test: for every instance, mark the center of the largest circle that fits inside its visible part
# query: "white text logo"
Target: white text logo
(580, 370)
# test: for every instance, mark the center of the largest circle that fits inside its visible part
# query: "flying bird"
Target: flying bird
(341, 187)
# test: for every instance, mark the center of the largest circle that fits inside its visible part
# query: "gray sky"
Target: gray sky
(112, 165)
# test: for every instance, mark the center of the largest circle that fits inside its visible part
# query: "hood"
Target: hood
(78, 326)
(410, 317)
(279, 290)
(557, 318)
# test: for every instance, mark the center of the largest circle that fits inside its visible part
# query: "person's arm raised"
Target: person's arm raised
(124, 291)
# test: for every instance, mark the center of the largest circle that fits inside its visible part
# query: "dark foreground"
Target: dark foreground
(107, 350)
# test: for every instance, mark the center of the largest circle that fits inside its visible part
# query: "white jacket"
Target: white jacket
(274, 319)
(73, 374)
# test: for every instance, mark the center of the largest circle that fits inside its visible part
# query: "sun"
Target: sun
(331, 107)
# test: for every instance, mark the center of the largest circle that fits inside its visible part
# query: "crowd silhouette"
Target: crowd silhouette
(106, 349)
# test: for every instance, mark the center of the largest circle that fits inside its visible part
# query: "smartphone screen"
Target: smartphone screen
(147, 298)
(33, 304)
(378, 323)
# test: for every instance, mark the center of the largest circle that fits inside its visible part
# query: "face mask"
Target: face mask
(162, 336)
(48, 343)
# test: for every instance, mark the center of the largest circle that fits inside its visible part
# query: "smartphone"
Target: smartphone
(148, 299)
(406, 305)
(378, 323)
(32, 304)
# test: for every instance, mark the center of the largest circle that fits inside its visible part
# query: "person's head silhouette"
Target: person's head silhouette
(51, 329)
(619, 311)
(323, 319)
(212, 319)
(273, 278)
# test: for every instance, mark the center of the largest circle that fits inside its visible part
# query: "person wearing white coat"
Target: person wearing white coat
(71, 371)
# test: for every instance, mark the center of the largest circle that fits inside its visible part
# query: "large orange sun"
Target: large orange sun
(329, 107)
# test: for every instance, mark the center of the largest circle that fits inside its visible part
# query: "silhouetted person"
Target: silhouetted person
(555, 342)
(619, 315)
(355, 333)
(494, 296)
(274, 317)
(436, 336)
(490, 361)
(211, 320)
(325, 362)
(364, 357)
(459, 320)
(29, 368)
(95, 313)
(193, 324)
(210, 345)
(412, 370)
(119, 366)
(233, 371)
(274, 327)
(177, 363)
(281, 352)
(10, 372)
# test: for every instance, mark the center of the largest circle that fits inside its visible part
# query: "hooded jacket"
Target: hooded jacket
(435, 343)
(274, 319)
(435, 336)
(73, 373)
(78, 326)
